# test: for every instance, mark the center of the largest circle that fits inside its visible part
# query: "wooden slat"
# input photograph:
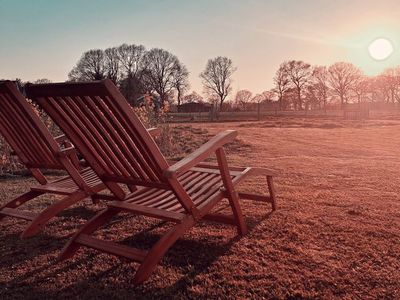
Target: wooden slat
(148, 211)
(111, 247)
(116, 134)
(88, 132)
(103, 137)
(135, 181)
(48, 188)
(28, 121)
(63, 90)
(18, 213)
(139, 162)
(153, 154)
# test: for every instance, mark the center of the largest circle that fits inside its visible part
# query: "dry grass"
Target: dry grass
(336, 233)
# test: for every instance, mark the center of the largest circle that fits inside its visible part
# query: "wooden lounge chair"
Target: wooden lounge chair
(37, 149)
(98, 120)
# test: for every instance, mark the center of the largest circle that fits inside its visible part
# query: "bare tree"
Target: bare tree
(380, 89)
(312, 99)
(181, 82)
(243, 98)
(361, 88)
(131, 58)
(217, 77)
(162, 68)
(320, 84)
(131, 61)
(299, 74)
(91, 66)
(342, 78)
(281, 81)
(390, 79)
(112, 64)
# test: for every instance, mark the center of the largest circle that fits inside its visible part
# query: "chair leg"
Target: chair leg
(98, 220)
(20, 200)
(155, 254)
(272, 192)
(37, 224)
(233, 196)
(237, 213)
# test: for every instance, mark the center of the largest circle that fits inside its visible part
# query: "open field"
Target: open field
(336, 233)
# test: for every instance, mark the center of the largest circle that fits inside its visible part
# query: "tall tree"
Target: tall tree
(320, 84)
(112, 64)
(299, 74)
(217, 77)
(131, 61)
(342, 78)
(91, 66)
(361, 88)
(162, 69)
(390, 78)
(181, 82)
(282, 84)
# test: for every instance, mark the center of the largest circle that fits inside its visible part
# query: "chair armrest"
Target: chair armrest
(154, 131)
(201, 153)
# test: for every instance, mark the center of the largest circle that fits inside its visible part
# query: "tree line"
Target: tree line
(301, 86)
(297, 85)
(138, 71)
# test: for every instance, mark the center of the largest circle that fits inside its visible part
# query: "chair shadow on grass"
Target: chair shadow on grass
(82, 211)
(195, 262)
(198, 257)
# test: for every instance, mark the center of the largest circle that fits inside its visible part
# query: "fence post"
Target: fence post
(258, 111)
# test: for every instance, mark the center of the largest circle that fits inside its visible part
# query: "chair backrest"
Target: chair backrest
(100, 123)
(24, 132)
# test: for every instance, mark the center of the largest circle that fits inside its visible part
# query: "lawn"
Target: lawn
(336, 233)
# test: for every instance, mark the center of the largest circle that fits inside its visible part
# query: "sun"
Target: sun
(380, 49)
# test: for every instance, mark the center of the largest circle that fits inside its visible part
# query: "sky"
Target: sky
(45, 38)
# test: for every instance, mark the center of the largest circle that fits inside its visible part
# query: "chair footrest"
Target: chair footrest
(220, 218)
(111, 247)
(18, 213)
(255, 197)
(148, 211)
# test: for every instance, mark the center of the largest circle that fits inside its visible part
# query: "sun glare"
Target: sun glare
(380, 49)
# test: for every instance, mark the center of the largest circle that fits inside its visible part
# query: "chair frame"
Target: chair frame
(67, 104)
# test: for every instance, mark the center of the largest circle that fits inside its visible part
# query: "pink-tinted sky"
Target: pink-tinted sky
(45, 38)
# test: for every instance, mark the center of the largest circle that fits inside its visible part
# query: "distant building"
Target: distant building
(192, 107)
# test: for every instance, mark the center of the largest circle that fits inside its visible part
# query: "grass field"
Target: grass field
(336, 233)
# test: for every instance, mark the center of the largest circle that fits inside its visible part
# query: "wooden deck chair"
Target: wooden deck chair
(37, 149)
(98, 120)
